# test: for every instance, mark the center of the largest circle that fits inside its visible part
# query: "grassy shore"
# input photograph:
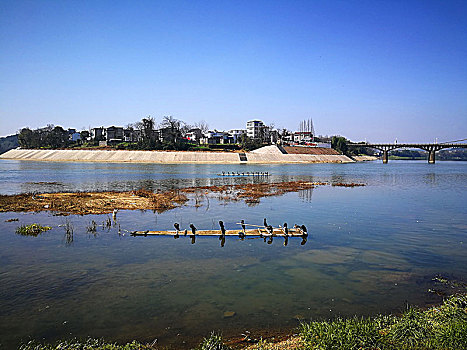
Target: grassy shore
(442, 327)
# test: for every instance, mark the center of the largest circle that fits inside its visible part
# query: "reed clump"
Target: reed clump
(213, 342)
(32, 230)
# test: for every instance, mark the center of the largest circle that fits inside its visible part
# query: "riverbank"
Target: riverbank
(439, 327)
(166, 157)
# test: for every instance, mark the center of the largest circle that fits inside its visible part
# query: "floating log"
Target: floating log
(258, 173)
(257, 232)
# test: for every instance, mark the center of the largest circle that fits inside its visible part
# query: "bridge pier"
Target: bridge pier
(385, 156)
(431, 156)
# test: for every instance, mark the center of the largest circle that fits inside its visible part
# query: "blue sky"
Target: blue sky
(375, 70)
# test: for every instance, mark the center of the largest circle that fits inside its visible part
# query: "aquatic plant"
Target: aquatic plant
(12, 220)
(32, 230)
(91, 228)
(68, 232)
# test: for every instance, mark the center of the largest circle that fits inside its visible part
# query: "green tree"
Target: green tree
(339, 143)
(25, 138)
(249, 144)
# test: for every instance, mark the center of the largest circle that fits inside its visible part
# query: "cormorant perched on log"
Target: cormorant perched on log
(304, 230)
(286, 229)
(270, 229)
(177, 228)
(193, 229)
(221, 224)
(241, 234)
(265, 222)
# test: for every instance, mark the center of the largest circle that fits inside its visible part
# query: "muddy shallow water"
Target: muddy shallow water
(370, 250)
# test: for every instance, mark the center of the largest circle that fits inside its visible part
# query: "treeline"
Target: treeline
(339, 143)
(170, 134)
(445, 154)
(48, 137)
(7, 143)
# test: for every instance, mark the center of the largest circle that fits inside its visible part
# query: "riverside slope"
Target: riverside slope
(265, 155)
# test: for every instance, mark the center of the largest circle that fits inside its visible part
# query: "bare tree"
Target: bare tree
(185, 128)
(174, 125)
(170, 122)
(202, 125)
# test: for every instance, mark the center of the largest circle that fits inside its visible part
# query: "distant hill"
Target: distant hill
(7, 143)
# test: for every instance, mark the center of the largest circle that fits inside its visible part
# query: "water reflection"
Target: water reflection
(306, 195)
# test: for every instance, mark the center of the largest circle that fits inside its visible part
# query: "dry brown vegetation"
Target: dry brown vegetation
(253, 192)
(352, 184)
(83, 203)
(92, 202)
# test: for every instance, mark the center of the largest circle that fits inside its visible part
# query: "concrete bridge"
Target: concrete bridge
(431, 148)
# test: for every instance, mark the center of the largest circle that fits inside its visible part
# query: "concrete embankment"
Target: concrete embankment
(266, 156)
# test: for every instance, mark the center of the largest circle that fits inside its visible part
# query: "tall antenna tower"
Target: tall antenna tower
(306, 128)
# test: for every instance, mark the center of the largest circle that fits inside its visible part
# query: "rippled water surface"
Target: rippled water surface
(370, 250)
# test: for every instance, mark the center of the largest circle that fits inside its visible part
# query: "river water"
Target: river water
(371, 249)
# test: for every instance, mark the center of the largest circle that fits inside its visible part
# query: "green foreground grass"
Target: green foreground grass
(441, 327)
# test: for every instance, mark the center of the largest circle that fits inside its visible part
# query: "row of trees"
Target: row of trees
(49, 137)
(339, 143)
(174, 131)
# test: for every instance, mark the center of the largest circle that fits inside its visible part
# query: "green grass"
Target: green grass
(443, 327)
(32, 230)
(213, 342)
(90, 344)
